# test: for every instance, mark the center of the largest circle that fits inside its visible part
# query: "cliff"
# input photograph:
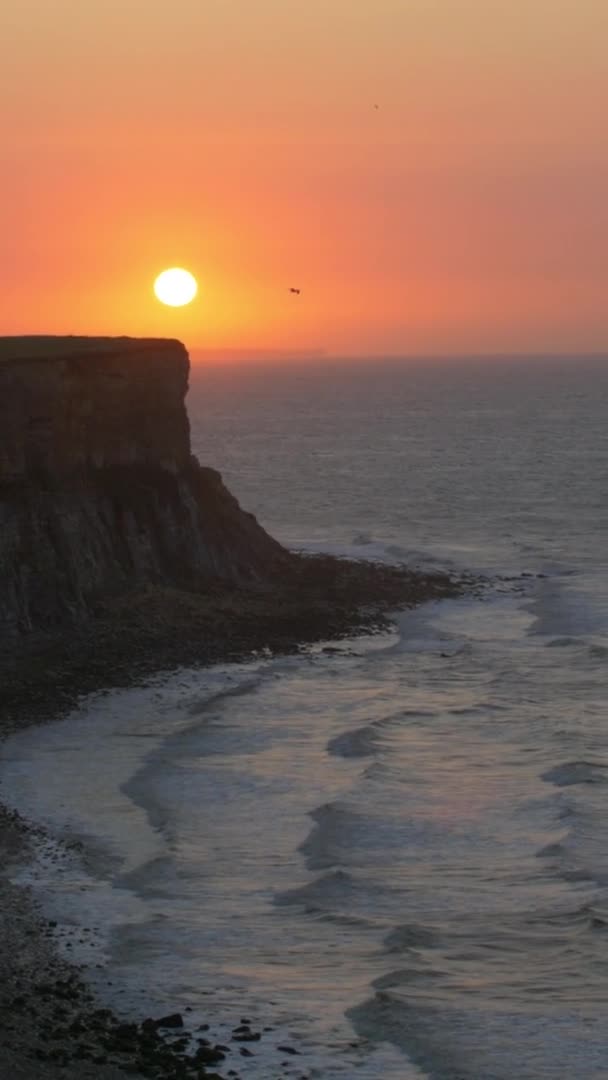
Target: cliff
(99, 492)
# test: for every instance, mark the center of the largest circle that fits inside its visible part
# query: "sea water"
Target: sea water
(394, 855)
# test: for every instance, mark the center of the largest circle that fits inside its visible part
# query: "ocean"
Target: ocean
(393, 855)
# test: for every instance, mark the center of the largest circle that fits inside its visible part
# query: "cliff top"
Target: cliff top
(72, 404)
(48, 347)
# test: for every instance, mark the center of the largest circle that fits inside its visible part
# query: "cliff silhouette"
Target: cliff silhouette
(99, 492)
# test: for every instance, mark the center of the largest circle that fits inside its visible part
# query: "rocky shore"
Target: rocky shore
(143, 632)
(50, 1024)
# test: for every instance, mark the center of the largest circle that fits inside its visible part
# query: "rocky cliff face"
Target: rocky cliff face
(99, 493)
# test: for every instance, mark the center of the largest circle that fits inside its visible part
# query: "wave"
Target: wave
(476, 1038)
(477, 939)
(382, 551)
(576, 772)
(405, 977)
(410, 936)
(379, 772)
(481, 708)
(334, 888)
(330, 841)
(340, 919)
(246, 686)
(563, 613)
(361, 742)
(551, 851)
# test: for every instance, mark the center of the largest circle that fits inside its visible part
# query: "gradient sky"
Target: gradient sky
(239, 138)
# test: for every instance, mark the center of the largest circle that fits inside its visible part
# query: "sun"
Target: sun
(175, 287)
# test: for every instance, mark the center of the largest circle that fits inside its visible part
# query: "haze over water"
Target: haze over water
(394, 855)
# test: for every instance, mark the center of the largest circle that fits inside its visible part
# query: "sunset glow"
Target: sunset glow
(431, 175)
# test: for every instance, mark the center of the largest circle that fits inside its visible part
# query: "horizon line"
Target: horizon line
(318, 353)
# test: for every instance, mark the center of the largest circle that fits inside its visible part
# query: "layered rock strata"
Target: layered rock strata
(99, 492)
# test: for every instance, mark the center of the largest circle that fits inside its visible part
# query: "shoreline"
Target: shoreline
(51, 1025)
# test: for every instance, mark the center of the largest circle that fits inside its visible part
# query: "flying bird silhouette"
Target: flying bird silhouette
(296, 291)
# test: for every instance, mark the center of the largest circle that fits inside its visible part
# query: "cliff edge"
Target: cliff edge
(99, 492)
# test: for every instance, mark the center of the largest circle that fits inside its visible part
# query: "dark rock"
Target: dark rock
(180, 1044)
(174, 1020)
(209, 1055)
(126, 1032)
(149, 1026)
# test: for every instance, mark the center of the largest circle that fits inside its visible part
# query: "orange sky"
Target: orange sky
(239, 138)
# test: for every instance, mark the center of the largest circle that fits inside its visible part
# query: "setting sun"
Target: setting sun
(175, 287)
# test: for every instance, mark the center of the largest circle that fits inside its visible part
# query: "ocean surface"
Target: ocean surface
(394, 855)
